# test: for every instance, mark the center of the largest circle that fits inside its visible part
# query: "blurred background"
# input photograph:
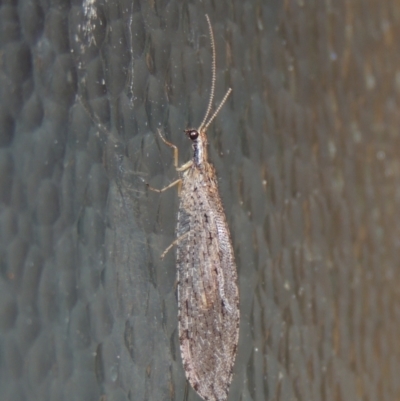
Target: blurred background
(306, 150)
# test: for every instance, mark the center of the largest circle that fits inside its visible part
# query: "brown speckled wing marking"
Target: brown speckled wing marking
(208, 297)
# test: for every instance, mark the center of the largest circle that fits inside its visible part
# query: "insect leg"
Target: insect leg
(174, 243)
(171, 145)
(177, 182)
(185, 166)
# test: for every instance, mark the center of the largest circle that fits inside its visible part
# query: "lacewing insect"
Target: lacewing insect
(208, 295)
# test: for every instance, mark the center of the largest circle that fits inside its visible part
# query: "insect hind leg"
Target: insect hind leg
(173, 244)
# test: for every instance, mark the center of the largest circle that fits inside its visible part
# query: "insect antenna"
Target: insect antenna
(213, 75)
(204, 123)
(218, 108)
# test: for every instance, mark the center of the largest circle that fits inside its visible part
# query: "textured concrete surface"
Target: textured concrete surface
(306, 150)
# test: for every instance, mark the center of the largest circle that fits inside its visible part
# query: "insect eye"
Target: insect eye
(193, 134)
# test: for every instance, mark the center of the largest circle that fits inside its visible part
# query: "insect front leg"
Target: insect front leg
(179, 169)
(175, 149)
(171, 145)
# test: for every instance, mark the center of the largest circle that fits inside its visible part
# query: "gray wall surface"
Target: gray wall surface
(307, 154)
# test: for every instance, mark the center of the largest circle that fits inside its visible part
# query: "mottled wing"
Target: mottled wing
(207, 288)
